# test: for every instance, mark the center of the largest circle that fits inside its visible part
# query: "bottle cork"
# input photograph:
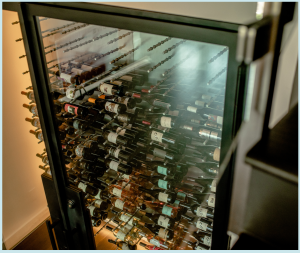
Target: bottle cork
(28, 119)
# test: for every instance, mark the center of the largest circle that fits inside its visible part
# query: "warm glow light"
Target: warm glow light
(260, 10)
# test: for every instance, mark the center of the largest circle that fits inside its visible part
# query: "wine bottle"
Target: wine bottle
(168, 197)
(201, 211)
(108, 106)
(210, 151)
(162, 208)
(29, 95)
(95, 212)
(163, 233)
(44, 158)
(32, 108)
(161, 137)
(116, 190)
(46, 169)
(34, 121)
(117, 166)
(197, 245)
(163, 154)
(111, 89)
(38, 134)
(87, 188)
(161, 167)
(116, 138)
(96, 222)
(161, 181)
(119, 153)
(129, 238)
(123, 245)
(150, 247)
(208, 184)
(76, 110)
(202, 237)
(154, 100)
(203, 225)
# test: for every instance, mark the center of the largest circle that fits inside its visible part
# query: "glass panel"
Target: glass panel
(140, 119)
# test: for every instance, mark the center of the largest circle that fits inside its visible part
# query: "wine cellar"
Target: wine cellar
(137, 112)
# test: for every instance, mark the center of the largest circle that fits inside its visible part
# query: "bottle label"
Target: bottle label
(98, 203)
(119, 204)
(163, 184)
(199, 103)
(163, 233)
(211, 200)
(200, 248)
(163, 221)
(206, 97)
(65, 77)
(126, 78)
(163, 197)
(79, 150)
(30, 95)
(114, 165)
(33, 110)
(125, 176)
(106, 88)
(129, 126)
(173, 113)
(111, 107)
(220, 120)
(117, 192)
(167, 210)
(125, 246)
(121, 235)
(201, 212)
(159, 153)
(125, 218)
(98, 195)
(214, 185)
(122, 132)
(82, 186)
(186, 127)
(117, 82)
(181, 195)
(127, 186)
(207, 240)
(165, 122)
(156, 136)
(71, 109)
(201, 225)
(192, 109)
(204, 133)
(162, 170)
(125, 101)
(116, 153)
(176, 203)
(155, 242)
(70, 92)
(160, 104)
(195, 121)
(77, 71)
(124, 118)
(112, 137)
(91, 208)
(87, 68)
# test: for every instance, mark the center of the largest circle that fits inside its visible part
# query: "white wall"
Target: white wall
(233, 12)
(24, 204)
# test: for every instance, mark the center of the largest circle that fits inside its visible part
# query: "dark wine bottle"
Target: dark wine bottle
(168, 197)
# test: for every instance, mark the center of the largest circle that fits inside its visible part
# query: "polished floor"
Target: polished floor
(39, 240)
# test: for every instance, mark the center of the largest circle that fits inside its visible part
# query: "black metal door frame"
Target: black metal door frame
(189, 28)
